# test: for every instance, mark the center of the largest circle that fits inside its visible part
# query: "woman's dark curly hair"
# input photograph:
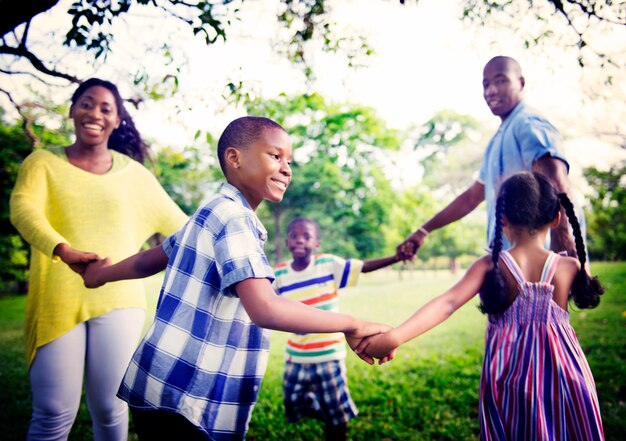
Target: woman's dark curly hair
(529, 200)
(126, 138)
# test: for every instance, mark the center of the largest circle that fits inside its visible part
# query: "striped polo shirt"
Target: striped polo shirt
(318, 286)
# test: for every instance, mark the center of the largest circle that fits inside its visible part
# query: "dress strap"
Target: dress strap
(511, 264)
(549, 268)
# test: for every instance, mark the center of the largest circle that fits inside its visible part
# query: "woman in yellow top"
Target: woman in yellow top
(73, 204)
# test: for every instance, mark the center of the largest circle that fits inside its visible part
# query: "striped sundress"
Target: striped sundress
(536, 383)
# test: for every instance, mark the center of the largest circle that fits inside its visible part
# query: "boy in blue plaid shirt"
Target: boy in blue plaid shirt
(197, 372)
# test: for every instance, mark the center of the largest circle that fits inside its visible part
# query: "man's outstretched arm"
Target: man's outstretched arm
(460, 207)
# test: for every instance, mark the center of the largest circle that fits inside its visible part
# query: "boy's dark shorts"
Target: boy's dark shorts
(318, 390)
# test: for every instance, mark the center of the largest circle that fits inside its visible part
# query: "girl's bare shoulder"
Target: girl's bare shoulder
(569, 265)
(566, 272)
(483, 264)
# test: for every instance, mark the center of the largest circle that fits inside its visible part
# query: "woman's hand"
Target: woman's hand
(76, 260)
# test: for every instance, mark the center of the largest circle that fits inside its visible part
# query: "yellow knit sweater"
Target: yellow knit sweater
(111, 214)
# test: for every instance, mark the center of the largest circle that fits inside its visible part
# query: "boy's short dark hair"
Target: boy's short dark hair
(305, 220)
(242, 132)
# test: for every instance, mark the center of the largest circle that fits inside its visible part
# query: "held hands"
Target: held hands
(93, 271)
(378, 346)
(408, 249)
(367, 329)
(76, 260)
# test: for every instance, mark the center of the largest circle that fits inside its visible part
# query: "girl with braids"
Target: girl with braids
(93, 195)
(536, 383)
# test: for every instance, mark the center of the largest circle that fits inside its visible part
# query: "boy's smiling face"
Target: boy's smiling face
(302, 240)
(262, 169)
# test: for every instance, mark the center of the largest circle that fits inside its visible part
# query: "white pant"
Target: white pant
(100, 349)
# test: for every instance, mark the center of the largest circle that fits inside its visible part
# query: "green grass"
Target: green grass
(429, 392)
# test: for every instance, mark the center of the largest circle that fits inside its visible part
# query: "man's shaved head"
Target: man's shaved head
(503, 85)
(506, 63)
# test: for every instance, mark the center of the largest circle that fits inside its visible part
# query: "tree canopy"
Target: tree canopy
(90, 28)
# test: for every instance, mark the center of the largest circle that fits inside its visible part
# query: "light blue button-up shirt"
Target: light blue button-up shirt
(522, 138)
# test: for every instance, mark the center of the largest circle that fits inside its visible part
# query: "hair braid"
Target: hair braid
(586, 290)
(573, 220)
(493, 290)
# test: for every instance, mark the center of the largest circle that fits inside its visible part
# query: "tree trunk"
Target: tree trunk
(454, 264)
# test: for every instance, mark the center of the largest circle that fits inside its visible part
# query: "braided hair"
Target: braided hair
(493, 297)
(529, 200)
(126, 138)
(586, 289)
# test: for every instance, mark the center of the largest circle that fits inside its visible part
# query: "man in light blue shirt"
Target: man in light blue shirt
(524, 141)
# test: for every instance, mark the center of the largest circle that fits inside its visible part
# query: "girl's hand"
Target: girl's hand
(76, 260)
(93, 271)
(381, 346)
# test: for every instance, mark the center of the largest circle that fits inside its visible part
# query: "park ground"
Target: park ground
(429, 392)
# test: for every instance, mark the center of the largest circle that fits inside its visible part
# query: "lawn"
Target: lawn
(429, 392)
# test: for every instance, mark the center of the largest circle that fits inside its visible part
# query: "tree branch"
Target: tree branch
(22, 12)
(27, 121)
(36, 62)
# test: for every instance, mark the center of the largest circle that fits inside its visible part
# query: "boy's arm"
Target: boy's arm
(374, 264)
(137, 266)
(268, 310)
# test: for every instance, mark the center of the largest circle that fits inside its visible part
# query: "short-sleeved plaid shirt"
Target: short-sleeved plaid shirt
(203, 357)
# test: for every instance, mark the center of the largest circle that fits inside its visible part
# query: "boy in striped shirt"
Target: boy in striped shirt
(315, 382)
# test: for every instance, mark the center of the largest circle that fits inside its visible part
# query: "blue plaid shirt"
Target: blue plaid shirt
(203, 357)
(522, 138)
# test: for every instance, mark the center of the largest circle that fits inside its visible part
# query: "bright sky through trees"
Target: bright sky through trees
(425, 60)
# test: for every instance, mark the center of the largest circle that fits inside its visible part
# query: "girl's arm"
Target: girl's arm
(137, 266)
(268, 310)
(431, 314)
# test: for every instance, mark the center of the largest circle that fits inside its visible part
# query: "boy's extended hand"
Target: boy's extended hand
(379, 346)
(92, 273)
(367, 330)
